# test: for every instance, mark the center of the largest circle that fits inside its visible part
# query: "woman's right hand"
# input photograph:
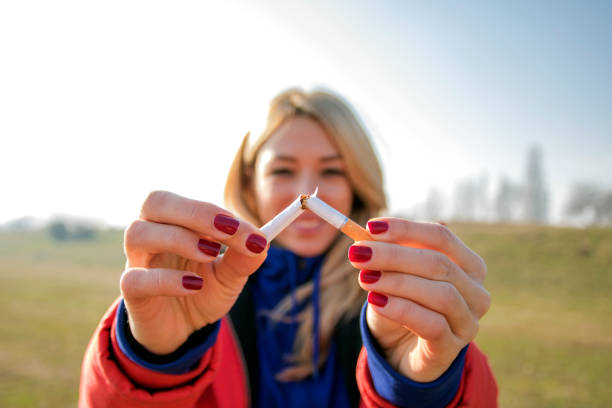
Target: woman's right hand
(174, 283)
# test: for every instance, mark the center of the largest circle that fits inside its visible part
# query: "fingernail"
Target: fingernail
(377, 299)
(360, 253)
(192, 282)
(256, 243)
(368, 276)
(226, 224)
(378, 227)
(209, 247)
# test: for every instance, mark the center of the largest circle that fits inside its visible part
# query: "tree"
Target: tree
(535, 198)
(481, 197)
(434, 205)
(464, 208)
(58, 230)
(507, 200)
(70, 228)
(591, 202)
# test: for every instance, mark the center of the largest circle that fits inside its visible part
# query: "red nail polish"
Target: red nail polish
(192, 282)
(209, 247)
(368, 276)
(377, 299)
(378, 227)
(226, 224)
(360, 253)
(256, 243)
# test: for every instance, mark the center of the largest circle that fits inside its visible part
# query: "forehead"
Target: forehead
(298, 137)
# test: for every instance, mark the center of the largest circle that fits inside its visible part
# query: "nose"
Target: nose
(307, 183)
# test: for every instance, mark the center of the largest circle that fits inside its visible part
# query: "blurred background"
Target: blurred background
(491, 116)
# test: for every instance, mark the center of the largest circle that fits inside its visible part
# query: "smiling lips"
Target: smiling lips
(307, 222)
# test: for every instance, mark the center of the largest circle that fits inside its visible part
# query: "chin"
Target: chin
(306, 248)
(308, 252)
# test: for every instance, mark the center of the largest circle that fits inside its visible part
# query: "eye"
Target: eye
(333, 171)
(282, 171)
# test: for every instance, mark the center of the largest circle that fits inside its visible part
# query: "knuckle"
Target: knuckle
(127, 281)
(408, 309)
(173, 238)
(196, 213)
(448, 298)
(443, 266)
(483, 266)
(153, 200)
(484, 304)
(391, 252)
(134, 233)
(475, 326)
(158, 283)
(469, 330)
(437, 329)
(443, 234)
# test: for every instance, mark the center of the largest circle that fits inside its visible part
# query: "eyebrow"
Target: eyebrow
(293, 159)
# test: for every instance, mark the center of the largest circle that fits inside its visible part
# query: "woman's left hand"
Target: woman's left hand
(426, 294)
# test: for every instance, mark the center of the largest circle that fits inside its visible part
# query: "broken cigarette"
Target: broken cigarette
(277, 224)
(335, 217)
(340, 221)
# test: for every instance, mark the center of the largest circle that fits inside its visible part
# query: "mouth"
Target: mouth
(307, 223)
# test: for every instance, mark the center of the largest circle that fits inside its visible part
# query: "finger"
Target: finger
(441, 297)
(203, 218)
(142, 283)
(426, 263)
(430, 236)
(427, 324)
(151, 237)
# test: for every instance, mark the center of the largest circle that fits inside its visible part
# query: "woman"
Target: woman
(279, 325)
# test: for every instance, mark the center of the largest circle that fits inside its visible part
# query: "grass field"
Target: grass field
(548, 334)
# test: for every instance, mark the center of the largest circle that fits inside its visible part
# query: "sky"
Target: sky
(102, 102)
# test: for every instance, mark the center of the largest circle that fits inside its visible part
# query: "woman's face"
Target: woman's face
(296, 159)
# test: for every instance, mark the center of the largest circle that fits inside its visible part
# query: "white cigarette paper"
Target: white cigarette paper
(335, 218)
(325, 211)
(277, 224)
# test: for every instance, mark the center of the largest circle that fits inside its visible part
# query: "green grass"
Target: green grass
(52, 295)
(548, 334)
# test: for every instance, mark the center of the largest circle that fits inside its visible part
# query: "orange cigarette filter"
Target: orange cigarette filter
(355, 231)
(335, 217)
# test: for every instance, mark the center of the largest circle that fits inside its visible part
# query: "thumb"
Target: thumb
(143, 282)
(234, 267)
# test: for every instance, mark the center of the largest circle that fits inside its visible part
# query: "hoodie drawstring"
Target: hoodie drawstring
(293, 285)
(315, 321)
(315, 310)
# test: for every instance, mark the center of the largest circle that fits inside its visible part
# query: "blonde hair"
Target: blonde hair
(340, 296)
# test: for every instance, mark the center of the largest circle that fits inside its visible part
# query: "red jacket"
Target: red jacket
(110, 379)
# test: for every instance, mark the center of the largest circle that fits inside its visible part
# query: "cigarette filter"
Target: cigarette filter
(336, 218)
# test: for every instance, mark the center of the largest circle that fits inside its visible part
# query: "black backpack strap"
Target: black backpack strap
(242, 316)
(348, 344)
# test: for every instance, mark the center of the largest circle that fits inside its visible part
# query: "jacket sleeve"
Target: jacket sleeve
(110, 379)
(181, 361)
(477, 389)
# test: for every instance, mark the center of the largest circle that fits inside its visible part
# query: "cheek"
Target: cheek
(340, 196)
(271, 196)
